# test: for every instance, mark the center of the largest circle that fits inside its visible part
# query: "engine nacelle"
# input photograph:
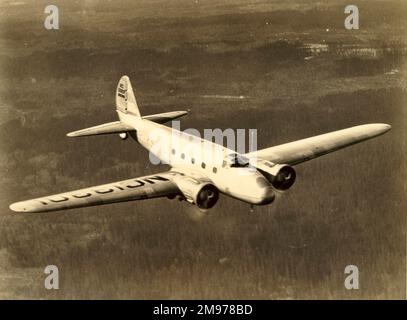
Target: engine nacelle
(203, 194)
(281, 176)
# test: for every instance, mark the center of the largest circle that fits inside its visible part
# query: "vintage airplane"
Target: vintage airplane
(192, 176)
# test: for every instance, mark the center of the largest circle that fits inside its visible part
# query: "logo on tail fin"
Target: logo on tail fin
(122, 93)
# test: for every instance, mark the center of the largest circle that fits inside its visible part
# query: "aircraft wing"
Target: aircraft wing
(159, 185)
(306, 149)
(106, 128)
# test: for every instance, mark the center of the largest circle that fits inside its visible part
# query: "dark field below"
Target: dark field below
(345, 208)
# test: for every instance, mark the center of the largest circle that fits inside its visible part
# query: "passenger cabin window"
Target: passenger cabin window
(192, 160)
(173, 151)
(203, 165)
(182, 155)
(214, 170)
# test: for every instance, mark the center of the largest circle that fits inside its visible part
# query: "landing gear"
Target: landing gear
(123, 135)
(251, 208)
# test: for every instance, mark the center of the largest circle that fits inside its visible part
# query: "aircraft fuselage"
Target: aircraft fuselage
(201, 159)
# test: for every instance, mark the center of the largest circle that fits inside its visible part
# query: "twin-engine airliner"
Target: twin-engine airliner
(253, 177)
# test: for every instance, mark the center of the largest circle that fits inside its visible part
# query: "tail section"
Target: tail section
(126, 104)
(125, 99)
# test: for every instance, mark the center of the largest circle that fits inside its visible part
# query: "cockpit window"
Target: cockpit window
(237, 161)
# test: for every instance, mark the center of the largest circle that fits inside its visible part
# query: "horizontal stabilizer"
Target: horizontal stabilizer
(165, 117)
(106, 128)
(120, 127)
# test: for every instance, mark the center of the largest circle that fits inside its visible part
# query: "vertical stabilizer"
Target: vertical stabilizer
(125, 99)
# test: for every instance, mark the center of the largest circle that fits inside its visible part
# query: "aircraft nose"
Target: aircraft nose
(268, 196)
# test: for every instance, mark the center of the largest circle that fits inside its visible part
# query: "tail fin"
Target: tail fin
(125, 99)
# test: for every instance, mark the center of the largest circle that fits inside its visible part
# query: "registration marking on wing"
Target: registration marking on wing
(108, 193)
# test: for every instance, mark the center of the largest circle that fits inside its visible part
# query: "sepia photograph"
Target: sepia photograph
(203, 150)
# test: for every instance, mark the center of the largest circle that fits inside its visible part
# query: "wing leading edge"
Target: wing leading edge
(299, 151)
(153, 186)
